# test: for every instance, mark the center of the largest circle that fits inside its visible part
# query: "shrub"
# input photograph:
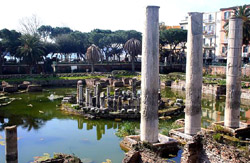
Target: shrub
(217, 137)
(127, 129)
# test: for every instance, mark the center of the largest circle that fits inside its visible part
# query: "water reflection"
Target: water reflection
(212, 108)
(100, 126)
(32, 111)
(45, 129)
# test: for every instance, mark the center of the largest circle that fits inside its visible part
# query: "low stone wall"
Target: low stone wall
(45, 83)
(144, 152)
(221, 70)
(213, 89)
(179, 84)
(70, 110)
(60, 158)
(34, 88)
(245, 93)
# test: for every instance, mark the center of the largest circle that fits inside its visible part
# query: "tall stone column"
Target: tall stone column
(150, 76)
(233, 81)
(133, 87)
(108, 91)
(98, 90)
(87, 96)
(11, 153)
(102, 100)
(79, 92)
(90, 99)
(194, 67)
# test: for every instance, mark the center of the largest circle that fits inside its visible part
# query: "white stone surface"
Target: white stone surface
(194, 74)
(150, 76)
(233, 81)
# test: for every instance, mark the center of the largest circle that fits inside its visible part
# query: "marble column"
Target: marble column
(11, 152)
(150, 76)
(87, 96)
(194, 67)
(79, 92)
(98, 89)
(133, 87)
(233, 80)
(108, 91)
(102, 100)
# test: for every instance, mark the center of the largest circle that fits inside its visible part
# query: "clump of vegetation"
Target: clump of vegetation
(107, 161)
(217, 137)
(124, 73)
(222, 82)
(45, 157)
(75, 106)
(128, 128)
(173, 76)
(166, 129)
(65, 157)
(223, 76)
(218, 129)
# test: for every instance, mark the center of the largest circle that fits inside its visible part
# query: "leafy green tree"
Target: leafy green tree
(1, 57)
(172, 37)
(67, 45)
(244, 13)
(31, 50)
(82, 43)
(45, 32)
(134, 48)
(50, 48)
(9, 41)
(93, 55)
(111, 43)
(60, 31)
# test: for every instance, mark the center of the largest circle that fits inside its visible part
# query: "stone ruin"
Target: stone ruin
(95, 101)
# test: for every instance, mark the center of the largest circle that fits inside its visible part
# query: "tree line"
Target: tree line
(30, 48)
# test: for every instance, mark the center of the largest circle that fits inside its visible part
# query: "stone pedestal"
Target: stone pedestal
(11, 144)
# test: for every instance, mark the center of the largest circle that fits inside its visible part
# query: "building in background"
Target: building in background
(226, 13)
(210, 35)
(215, 41)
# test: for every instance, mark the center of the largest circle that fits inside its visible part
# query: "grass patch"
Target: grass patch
(166, 126)
(128, 128)
(166, 129)
(52, 78)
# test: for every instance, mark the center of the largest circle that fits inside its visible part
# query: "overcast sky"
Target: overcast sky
(85, 15)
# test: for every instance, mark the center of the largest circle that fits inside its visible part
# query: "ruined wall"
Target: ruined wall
(221, 70)
(205, 149)
(216, 90)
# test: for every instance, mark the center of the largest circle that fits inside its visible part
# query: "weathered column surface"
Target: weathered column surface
(150, 76)
(11, 153)
(98, 90)
(233, 81)
(194, 74)
(79, 92)
(87, 96)
(108, 91)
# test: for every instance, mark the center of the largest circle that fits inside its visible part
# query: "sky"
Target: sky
(86, 15)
